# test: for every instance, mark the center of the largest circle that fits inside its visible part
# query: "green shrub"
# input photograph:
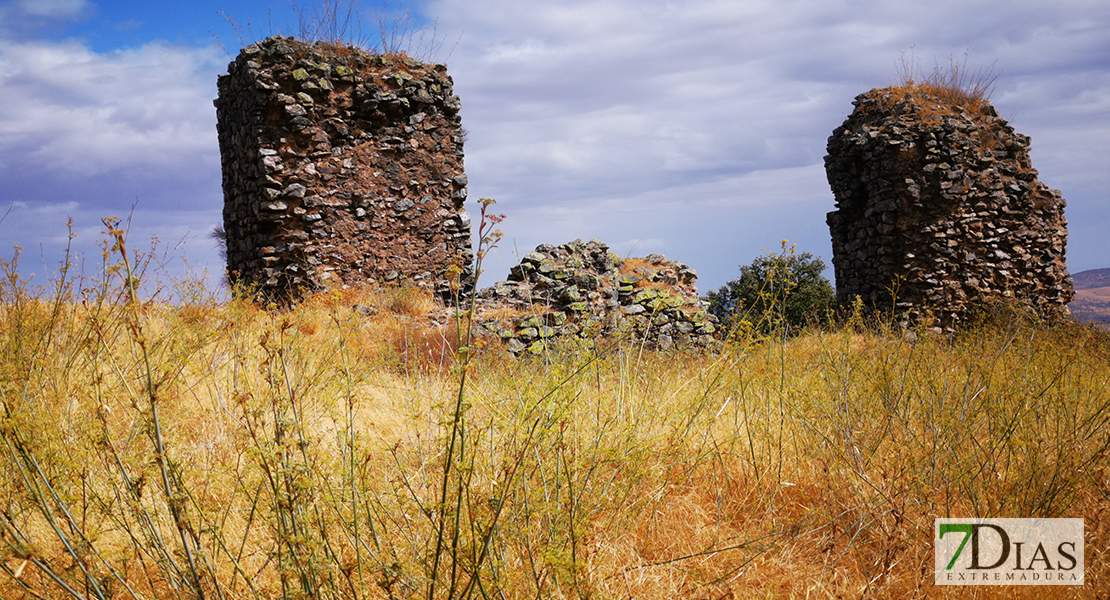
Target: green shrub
(775, 291)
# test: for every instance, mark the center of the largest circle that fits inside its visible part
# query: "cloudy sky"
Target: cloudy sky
(692, 128)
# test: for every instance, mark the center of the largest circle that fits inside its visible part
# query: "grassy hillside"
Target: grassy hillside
(157, 450)
(1091, 279)
(1092, 297)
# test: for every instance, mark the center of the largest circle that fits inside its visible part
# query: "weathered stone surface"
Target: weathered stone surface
(347, 166)
(939, 208)
(582, 290)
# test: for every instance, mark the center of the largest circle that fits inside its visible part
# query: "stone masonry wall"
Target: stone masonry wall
(939, 203)
(581, 290)
(339, 167)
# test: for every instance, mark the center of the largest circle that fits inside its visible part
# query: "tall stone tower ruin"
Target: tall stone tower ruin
(939, 208)
(339, 167)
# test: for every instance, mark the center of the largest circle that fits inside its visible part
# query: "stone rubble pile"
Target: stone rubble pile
(582, 290)
(340, 167)
(939, 208)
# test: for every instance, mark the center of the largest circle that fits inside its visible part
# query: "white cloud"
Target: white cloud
(696, 127)
(27, 16)
(53, 8)
(61, 104)
(597, 118)
(87, 135)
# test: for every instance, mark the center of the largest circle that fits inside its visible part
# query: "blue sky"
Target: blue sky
(695, 129)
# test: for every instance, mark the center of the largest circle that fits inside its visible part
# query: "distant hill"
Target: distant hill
(1089, 280)
(1092, 297)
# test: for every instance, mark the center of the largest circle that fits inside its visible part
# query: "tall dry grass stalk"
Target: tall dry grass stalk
(219, 450)
(340, 25)
(954, 84)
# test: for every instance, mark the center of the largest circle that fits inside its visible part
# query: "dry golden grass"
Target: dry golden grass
(305, 452)
(1092, 304)
(952, 85)
(935, 95)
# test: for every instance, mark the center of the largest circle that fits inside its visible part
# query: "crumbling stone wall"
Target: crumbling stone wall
(339, 167)
(582, 290)
(939, 208)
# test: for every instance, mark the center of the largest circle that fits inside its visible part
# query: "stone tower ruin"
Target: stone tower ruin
(939, 208)
(339, 167)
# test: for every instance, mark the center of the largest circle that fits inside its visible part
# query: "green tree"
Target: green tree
(775, 291)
